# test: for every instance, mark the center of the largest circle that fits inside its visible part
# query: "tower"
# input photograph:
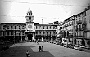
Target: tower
(30, 31)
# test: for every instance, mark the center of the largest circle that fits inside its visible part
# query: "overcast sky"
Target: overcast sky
(14, 11)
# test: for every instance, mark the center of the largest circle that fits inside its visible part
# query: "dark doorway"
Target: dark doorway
(30, 36)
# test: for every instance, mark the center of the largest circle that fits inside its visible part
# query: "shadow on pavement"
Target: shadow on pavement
(17, 51)
(20, 51)
(42, 54)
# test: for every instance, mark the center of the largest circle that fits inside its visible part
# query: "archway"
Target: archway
(30, 36)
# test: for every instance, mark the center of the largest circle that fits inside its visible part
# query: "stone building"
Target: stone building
(67, 29)
(27, 31)
(11, 31)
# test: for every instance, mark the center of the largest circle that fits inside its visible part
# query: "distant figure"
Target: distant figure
(40, 48)
(37, 42)
(27, 53)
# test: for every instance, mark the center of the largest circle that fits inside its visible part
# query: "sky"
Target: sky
(14, 11)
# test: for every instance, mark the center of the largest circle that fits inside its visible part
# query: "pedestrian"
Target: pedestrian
(37, 42)
(40, 48)
(27, 53)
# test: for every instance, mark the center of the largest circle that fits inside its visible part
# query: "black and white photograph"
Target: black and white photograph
(44, 28)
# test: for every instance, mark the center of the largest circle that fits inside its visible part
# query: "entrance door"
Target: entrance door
(30, 36)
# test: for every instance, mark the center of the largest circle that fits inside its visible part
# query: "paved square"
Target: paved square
(50, 50)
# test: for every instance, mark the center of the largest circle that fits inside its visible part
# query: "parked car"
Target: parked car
(71, 46)
(77, 47)
(62, 44)
(87, 48)
(54, 42)
(58, 43)
(51, 41)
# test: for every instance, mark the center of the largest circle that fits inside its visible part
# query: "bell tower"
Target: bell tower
(30, 31)
(29, 17)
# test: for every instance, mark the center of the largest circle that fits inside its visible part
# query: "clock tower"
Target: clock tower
(30, 31)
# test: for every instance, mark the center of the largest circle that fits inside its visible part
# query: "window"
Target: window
(29, 18)
(2, 33)
(19, 33)
(7, 27)
(50, 33)
(15, 27)
(43, 27)
(47, 33)
(40, 32)
(36, 32)
(43, 32)
(19, 27)
(11, 27)
(7, 33)
(50, 27)
(11, 33)
(47, 27)
(23, 27)
(36, 27)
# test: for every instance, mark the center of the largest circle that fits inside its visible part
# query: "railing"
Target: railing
(79, 22)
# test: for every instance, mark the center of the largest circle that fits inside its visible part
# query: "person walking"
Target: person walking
(37, 42)
(27, 54)
(40, 48)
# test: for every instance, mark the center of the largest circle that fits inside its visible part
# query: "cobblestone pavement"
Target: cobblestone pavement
(50, 50)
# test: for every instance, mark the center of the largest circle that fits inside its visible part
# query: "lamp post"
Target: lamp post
(21, 34)
(14, 37)
(4, 31)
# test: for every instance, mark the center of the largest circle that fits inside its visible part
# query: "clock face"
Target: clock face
(29, 26)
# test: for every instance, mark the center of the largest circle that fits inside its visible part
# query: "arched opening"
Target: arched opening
(30, 36)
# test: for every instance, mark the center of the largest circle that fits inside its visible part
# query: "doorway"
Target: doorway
(30, 36)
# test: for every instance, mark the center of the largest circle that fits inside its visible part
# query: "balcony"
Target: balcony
(80, 29)
(79, 22)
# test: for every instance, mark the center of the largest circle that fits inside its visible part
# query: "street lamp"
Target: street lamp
(4, 30)
(14, 37)
(21, 34)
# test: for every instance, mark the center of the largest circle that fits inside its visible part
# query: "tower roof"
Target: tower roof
(29, 12)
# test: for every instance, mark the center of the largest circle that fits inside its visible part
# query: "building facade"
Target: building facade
(78, 28)
(27, 31)
(11, 31)
(18, 31)
(67, 30)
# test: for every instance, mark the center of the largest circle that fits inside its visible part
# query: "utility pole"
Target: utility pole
(43, 29)
(14, 37)
(42, 21)
(21, 34)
